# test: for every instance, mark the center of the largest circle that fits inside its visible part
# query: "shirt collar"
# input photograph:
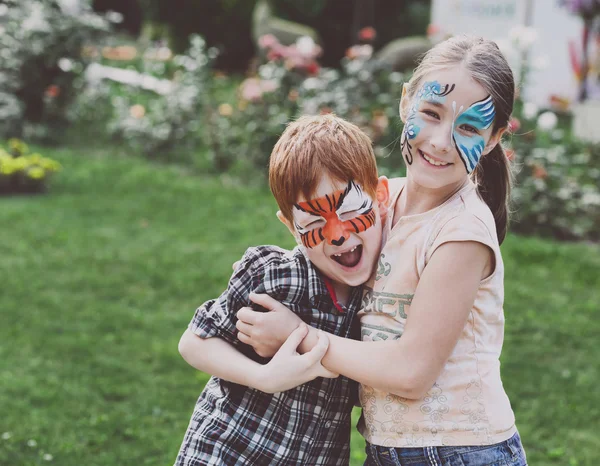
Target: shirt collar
(318, 294)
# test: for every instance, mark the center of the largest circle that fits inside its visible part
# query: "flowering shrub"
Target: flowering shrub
(41, 45)
(557, 191)
(292, 83)
(159, 122)
(23, 172)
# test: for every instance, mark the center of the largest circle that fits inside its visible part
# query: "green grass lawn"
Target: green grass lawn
(100, 278)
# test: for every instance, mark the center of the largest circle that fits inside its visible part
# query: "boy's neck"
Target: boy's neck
(342, 292)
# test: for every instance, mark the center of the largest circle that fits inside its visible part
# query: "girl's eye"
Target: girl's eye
(431, 114)
(469, 129)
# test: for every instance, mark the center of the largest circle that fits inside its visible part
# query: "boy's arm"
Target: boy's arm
(287, 369)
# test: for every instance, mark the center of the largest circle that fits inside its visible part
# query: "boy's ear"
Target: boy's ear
(383, 196)
(404, 103)
(287, 223)
(494, 141)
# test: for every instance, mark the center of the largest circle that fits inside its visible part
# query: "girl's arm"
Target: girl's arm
(286, 370)
(409, 366)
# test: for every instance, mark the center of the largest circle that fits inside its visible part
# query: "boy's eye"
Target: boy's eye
(314, 224)
(343, 216)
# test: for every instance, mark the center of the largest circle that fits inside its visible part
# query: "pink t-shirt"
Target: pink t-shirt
(467, 405)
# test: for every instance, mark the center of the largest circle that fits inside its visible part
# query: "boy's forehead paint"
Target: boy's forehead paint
(318, 219)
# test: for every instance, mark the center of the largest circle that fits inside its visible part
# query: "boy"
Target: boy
(324, 177)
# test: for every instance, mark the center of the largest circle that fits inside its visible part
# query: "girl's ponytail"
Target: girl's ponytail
(494, 178)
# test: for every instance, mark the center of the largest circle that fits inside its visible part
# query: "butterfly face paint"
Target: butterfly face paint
(334, 217)
(432, 92)
(466, 127)
(480, 116)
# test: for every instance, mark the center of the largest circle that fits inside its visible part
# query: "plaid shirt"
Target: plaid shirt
(307, 425)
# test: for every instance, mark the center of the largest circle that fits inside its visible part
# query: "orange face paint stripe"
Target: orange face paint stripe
(328, 213)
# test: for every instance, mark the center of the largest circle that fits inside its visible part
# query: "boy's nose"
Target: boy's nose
(335, 233)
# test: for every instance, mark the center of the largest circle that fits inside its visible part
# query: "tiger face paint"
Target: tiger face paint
(334, 217)
(340, 229)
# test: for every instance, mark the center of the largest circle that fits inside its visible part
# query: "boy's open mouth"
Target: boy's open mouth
(349, 258)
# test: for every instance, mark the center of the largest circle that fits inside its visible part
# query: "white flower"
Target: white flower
(70, 7)
(65, 64)
(547, 121)
(6, 435)
(396, 77)
(31, 443)
(311, 84)
(540, 63)
(523, 36)
(36, 20)
(530, 110)
(3, 9)
(47, 457)
(305, 45)
(590, 197)
(114, 17)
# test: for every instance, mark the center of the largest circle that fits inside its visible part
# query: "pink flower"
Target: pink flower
(359, 51)
(539, 172)
(252, 89)
(312, 68)
(53, 91)
(513, 125)
(267, 41)
(367, 34)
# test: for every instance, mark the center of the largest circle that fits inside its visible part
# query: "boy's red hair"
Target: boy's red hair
(316, 145)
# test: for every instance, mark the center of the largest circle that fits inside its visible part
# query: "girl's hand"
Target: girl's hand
(288, 369)
(266, 331)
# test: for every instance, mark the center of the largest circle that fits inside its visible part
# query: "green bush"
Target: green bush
(41, 63)
(157, 123)
(290, 84)
(23, 172)
(224, 24)
(334, 20)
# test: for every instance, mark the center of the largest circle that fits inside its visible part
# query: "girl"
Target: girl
(432, 312)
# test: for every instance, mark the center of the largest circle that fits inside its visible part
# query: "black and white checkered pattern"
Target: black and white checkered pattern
(237, 425)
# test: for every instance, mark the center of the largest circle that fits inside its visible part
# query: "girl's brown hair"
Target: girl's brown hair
(486, 64)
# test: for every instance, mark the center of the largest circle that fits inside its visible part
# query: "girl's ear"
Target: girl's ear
(494, 141)
(383, 196)
(404, 103)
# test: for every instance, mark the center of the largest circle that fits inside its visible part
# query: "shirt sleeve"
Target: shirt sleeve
(463, 227)
(217, 317)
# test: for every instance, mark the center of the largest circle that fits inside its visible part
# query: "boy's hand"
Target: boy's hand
(288, 369)
(266, 331)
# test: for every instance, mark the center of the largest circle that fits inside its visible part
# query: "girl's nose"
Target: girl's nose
(441, 140)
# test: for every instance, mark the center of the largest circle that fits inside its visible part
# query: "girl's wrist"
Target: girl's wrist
(310, 340)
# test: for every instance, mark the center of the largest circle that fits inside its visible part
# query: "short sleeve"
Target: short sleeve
(462, 227)
(217, 317)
